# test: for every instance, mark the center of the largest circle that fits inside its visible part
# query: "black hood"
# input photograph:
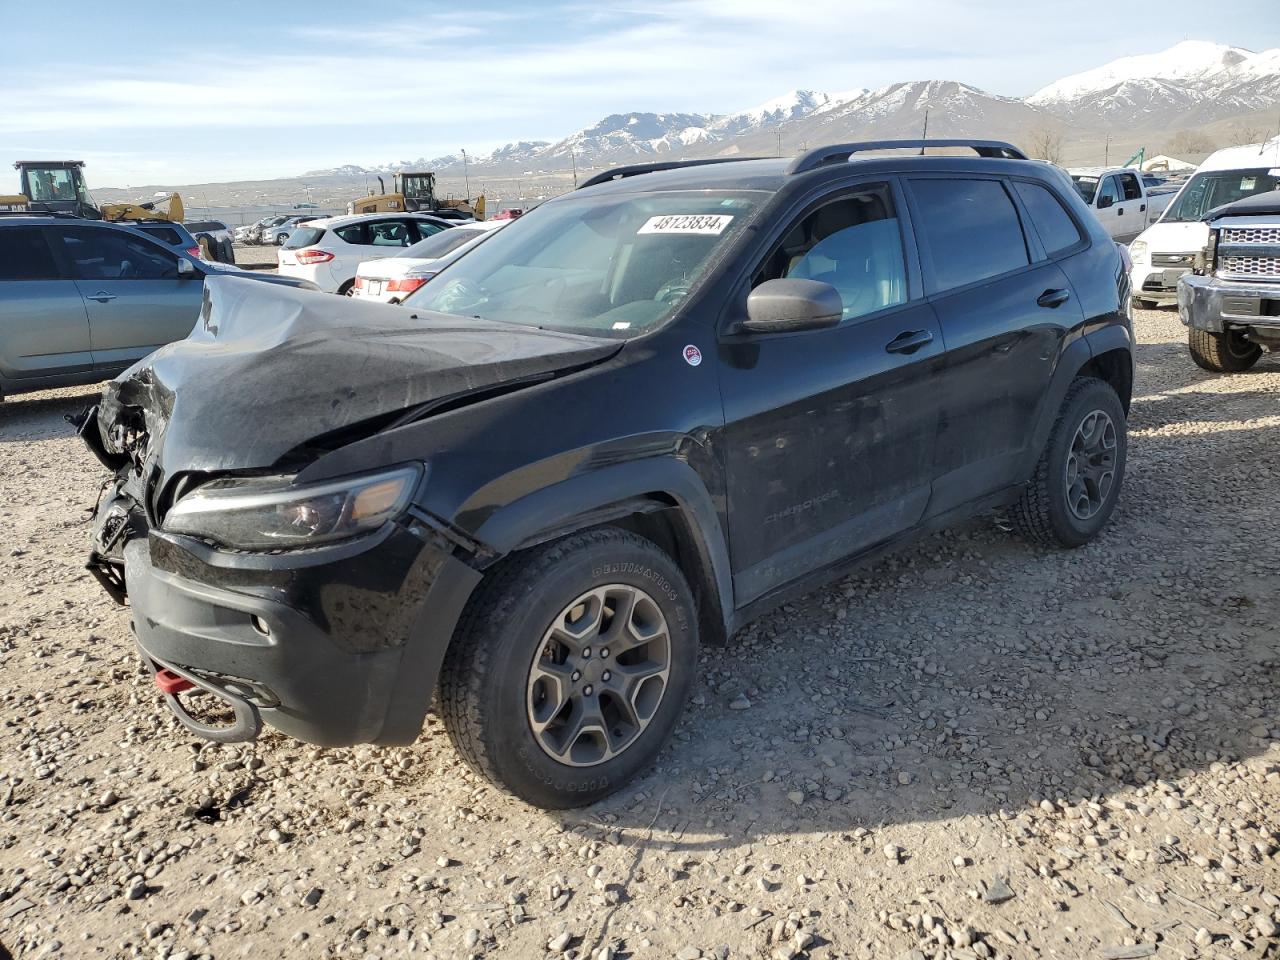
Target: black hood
(1260, 204)
(269, 370)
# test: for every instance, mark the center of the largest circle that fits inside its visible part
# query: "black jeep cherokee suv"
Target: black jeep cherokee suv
(636, 418)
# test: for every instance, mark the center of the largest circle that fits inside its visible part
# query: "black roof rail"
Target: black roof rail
(841, 152)
(635, 169)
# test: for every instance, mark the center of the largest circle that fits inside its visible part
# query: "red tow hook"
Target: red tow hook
(170, 683)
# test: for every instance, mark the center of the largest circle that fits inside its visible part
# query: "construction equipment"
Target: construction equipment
(57, 186)
(414, 191)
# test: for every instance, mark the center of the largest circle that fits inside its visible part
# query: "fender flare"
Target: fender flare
(552, 507)
(1074, 358)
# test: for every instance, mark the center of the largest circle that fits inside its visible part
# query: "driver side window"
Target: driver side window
(854, 244)
(1109, 190)
(104, 254)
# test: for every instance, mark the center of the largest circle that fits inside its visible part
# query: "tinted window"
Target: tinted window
(305, 237)
(970, 230)
(24, 255)
(1129, 184)
(854, 244)
(1056, 228)
(115, 255)
(205, 225)
(165, 234)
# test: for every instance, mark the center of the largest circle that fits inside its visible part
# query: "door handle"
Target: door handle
(1053, 298)
(102, 296)
(1119, 211)
(909, 341)
(1143, 208)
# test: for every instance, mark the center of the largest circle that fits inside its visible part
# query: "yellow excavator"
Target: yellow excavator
(57, 186)
(415, 191)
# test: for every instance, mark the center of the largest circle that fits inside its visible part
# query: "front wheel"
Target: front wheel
(571, 667)
(280, 240)
(1077, 480)
(1227, 352)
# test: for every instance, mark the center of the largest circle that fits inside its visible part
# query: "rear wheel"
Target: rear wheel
(348, 289)
(571, 667)
(1078, 477)
(1228, 352)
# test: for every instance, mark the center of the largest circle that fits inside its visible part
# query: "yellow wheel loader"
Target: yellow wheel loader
(415, 192)
(57, 186)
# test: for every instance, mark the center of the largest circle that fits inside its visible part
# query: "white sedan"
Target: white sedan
(391, 279)
(327, 251)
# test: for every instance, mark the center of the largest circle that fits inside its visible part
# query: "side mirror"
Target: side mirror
(186, 269)
(1104, 202)
(790, 304)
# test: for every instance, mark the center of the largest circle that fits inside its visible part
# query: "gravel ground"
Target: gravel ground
(249, 255)
(974, 749)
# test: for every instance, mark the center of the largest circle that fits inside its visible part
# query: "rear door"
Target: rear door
(135, 299)
(1005, 307)
(829, 434)
(44, 329)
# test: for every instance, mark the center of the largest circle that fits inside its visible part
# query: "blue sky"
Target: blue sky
(165, 92)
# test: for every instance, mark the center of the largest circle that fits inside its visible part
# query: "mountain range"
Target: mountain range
(1192, 85)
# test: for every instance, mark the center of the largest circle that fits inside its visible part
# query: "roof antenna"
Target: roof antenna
(925, 135)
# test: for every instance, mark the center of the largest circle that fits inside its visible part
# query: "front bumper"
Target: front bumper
(334, 646)
(1159, 284)
(1208, 303)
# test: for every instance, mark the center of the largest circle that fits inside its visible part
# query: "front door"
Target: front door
(135, 299)
(829, 434)
(44, 330)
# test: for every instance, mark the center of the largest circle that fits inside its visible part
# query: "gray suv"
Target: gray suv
(81, 300)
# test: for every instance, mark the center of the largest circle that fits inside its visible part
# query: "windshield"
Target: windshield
(1205, 191)
(1087, 187)
(437, 245)
(604, 266)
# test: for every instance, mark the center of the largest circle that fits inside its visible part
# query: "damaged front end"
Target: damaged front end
(324, 606)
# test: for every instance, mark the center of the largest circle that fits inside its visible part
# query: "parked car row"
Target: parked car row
(327, 251)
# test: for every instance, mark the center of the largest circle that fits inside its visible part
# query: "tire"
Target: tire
(1226, 352)
(348, 289)
(281, 239)
(1057, 510)
(1141, 304)
(497, 684)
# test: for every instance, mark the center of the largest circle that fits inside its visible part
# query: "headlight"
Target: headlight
(273, 513)
(1138, 250)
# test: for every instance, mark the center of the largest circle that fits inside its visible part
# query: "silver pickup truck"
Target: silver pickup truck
(1231, 301)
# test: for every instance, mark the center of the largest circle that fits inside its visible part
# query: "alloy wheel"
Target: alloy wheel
(599, 675)
(1091, 465)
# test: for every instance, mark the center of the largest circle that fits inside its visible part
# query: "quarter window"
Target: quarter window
(970, 230)
(854, 244)
(1057, 230)
(25, 256)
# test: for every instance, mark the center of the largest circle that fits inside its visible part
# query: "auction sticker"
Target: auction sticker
(711, 224)
(692, 355)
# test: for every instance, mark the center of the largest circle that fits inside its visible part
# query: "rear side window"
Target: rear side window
(24, 255)
(1057, 230)
(166, 234)
(426, 229)
(305, 237)
(389, 233)
(1129, 184)
(970, 230)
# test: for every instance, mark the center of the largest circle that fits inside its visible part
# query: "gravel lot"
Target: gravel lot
(973, 749)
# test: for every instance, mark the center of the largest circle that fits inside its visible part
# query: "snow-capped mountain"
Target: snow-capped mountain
(1193, 82)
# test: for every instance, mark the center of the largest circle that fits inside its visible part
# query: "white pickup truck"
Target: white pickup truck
(1120, 198)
